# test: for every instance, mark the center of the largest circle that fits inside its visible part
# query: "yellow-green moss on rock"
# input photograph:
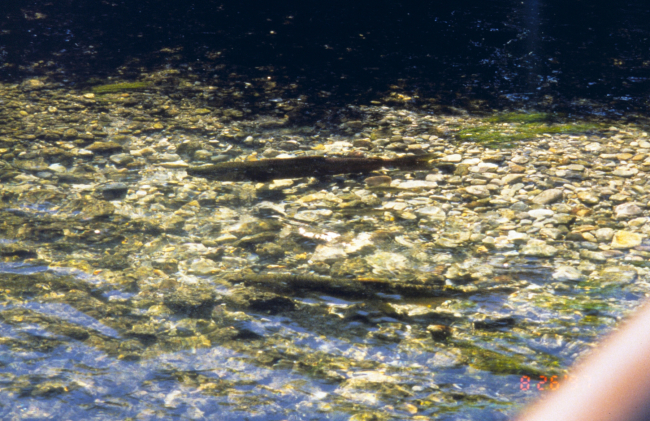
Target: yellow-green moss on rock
(119, 87)
(504, 130)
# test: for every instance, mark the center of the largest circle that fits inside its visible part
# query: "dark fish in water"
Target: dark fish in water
(305, 166)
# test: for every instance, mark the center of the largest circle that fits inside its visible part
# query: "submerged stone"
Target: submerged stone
(498, 323)
(589, 197)
(626, 210)
(479, 191)
(440, 332)
(548, 196)
(104, 147)
(328, 254)
(191, 301)
(626, 240)
(538, 248)
(378, 181)
(567, 273)
(617, 274)
(121, 159)
(113, 191)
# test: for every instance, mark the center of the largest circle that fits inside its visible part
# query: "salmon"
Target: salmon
(305, 166)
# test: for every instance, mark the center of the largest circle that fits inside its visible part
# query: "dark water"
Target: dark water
(576, 56)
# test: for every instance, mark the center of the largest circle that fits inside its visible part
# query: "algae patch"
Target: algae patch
(507, 363)
(504, 130)
(119, 87)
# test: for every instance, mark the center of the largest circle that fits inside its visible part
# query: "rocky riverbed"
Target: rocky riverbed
(135, 290)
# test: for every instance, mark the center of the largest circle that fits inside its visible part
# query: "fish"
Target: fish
(306, 166)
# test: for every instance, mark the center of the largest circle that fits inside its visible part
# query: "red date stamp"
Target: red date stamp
(526, 383)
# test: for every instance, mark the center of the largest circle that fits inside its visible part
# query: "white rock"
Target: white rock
(453, 158)
(515, 236)
(280, 184)
(625, 172)
(58, 168)
(312, 215)
(539, 248)
(203, 267)
(548, 196)
(479, 191)
(625, 210)
(567, 273)
(541, 213)
(386, 263)
(337, 147)
(414, 184)
(174, 164)
(328, 254)
(604, 234)
(593, 147)
(432, 212)
(363, 241)
(513, 178)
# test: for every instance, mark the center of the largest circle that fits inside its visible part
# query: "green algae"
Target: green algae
(119, 87)
(507, 364)
(523, 118)
(585, 303)
(505, 130)
(453, 404)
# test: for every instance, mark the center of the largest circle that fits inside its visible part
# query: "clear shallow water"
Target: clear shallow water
(64, 378)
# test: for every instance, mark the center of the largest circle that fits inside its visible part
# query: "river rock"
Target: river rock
(432, 212)
(539, 248)
(588, 197)
(97, 209)
(548, 196)
(625, 172)
(567, 273)
(637, 222)
(192, 301)
(513, 178)
(626, 240)
(541, 213)
(121, 159)
(593, 147)
(386, 263)
(378, 181)
(104, 147)
(453, 158)
(31, 165)
(604, 234)
(415, 185)
(618, 274)
(456, 273)
(552, 233)
(328, 254)
(517, 237)
(361, 243)
(479, 191)
(203, 267)
(626, 210)
(312, 215)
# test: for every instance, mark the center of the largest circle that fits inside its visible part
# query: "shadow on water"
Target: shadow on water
(583, 57)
